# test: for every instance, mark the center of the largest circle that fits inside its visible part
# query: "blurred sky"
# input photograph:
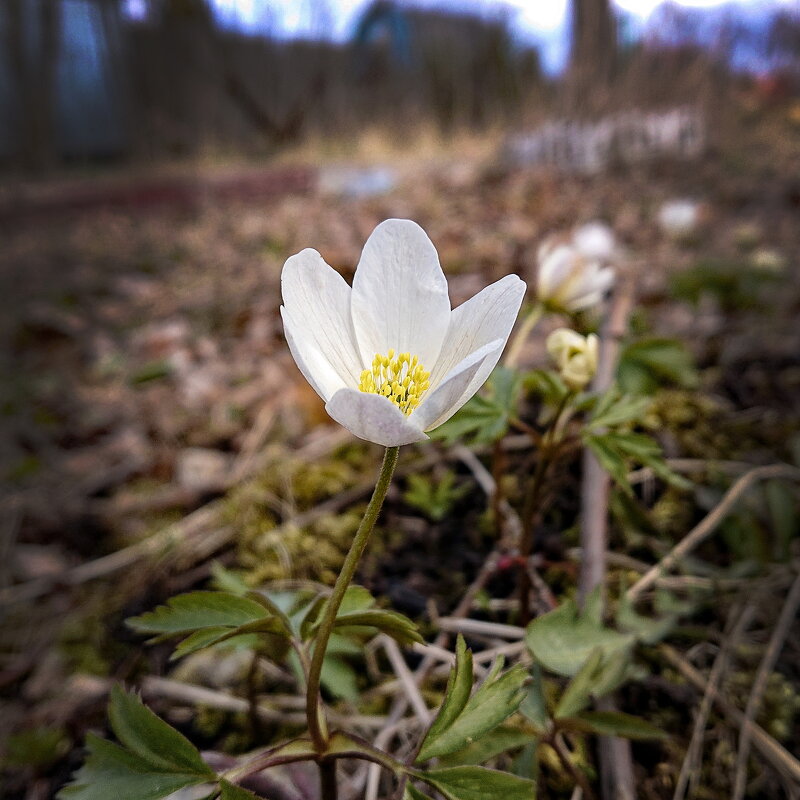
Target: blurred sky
(543, 23)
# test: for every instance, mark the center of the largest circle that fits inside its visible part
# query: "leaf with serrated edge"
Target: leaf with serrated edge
(152, 739)
(495, 700)
(230, 791)
(193, 611)
(459, 686)
(478, 783)
(488, 746)
(112, 772)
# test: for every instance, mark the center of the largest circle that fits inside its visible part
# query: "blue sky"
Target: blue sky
(542, 23)
(336, 16)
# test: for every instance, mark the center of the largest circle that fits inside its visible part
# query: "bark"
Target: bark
(594, 49)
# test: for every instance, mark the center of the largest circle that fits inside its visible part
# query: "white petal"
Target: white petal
(399, 298)
(554, 270)
(487, 316)
(317, 300)
(441, 403)
(590, 291)
(374, 418)
(315, 368)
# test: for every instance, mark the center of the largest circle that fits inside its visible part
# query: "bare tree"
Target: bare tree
(594, 50)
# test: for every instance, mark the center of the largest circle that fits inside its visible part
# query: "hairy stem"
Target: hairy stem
(316, 723)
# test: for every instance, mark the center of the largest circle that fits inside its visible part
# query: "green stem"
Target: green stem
(316, 723)
(521, 336)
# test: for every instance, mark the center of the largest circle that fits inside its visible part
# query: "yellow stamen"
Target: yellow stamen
(399, 377)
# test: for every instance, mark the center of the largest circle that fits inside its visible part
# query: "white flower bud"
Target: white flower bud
(574, 355)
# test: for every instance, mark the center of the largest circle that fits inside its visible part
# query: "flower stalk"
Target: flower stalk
(316, 719)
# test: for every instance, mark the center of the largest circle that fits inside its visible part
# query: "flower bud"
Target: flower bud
(574, 355)
(571, 276)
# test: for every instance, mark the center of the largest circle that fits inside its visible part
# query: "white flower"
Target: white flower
(574, 355)
(679, 218)
(389, 357)
(568, 280)
(595, 241)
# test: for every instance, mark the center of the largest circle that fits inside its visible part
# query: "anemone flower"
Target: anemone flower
(568, 280)
(389, 357)
(574, 355)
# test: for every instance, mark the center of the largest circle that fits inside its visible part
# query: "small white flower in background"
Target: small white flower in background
(679, 218)
(574, 355)
(596, 241)
(769, 260)
(389, 357)
(572, 275)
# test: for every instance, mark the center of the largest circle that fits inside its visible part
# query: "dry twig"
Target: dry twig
(765, 668)
(710, 522)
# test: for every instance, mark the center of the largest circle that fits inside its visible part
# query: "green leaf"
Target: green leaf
(496, 699)
(534, 706)
(412, 793)
(615, 450)
(648, 630)
(227, 580)
(150, 738)
(459, 686)
(339, 678)
(647, 364)
(196, 610)
(484, 419)
(613, 410)
(112, 772)
(488, 746)
(562, 640)
(614, 723)
(232, 792)
(478, 783)
(782, 505)
(210, 618)
(434, 498)
(578, 693)
(547, 384)
(610, 459)
(391, 623)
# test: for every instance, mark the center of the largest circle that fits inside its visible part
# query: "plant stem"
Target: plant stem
(515, 348)
(531, 511)
(316, 724)
(327, 780)
(577, 774)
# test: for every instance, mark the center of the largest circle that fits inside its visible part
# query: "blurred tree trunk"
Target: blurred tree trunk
(34, 61)
(594, 52)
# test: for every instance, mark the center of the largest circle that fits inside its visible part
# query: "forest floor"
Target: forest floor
(154, 429)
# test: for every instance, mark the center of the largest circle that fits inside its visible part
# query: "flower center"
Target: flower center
(401, 378)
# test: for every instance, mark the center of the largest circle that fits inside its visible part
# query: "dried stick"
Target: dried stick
(777, 755)
(689, 771)
(481, 628)
(200, 695)
(406, 678)
(765, 668)
(710, 522)
(596, 482)
(616, 761)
